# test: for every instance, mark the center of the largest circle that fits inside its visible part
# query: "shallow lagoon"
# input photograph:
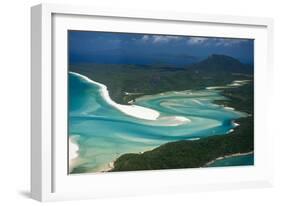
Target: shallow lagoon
(103, 132)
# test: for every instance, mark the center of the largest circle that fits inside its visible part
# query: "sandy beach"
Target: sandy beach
(73, 152)
(135, 110)
(235, 83)
(235, 124)
(172, 121)
(132, 110)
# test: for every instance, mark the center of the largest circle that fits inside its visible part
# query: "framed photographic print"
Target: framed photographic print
(133, 102)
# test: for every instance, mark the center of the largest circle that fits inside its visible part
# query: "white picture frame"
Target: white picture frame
(49, 178)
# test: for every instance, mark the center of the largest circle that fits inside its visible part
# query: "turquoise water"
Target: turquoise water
(103, 132)
(234, 161)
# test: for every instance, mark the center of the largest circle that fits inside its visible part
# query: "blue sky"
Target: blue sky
(124, 48)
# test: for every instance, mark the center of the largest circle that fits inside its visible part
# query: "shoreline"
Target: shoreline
(109, 166)
(73, 152)
(235, 83)
(137, 111)
(228, 156)
(131, 110)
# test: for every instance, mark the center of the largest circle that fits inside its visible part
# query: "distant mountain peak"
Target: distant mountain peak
(222, 58)
(221, 63)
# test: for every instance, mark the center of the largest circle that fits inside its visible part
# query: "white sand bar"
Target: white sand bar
(131, 110)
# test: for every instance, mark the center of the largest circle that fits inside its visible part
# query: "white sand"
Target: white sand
(235, 83)
(231, 130)
(235, 124)
(229, 108)
(217, 87)
(197, 101)
(193, 139)
(172, 121)
(73, 153)
(131, 110)
(106, 168)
